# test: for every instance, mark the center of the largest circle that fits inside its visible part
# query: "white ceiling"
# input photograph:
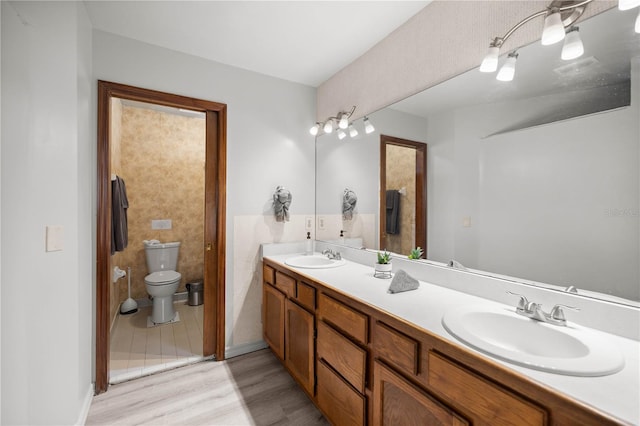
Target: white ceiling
(301, 41)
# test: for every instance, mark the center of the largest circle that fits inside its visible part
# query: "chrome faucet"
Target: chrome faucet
(332, 255)
(457, 265)
(534, 311)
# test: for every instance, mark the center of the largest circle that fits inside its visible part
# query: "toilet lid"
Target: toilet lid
(162, 277)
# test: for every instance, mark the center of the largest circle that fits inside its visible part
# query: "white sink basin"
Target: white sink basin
(315, 261)
(502, 333)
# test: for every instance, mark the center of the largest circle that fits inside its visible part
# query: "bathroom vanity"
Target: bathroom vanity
(365, 356)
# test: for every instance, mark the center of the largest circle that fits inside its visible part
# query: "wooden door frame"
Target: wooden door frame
(421, 188)
(215, 204)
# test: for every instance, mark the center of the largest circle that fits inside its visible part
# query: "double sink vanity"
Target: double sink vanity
(437, 355)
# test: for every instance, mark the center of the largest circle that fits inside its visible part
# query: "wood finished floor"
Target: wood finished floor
(252, 389)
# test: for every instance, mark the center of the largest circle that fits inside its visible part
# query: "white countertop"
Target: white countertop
(616, 394)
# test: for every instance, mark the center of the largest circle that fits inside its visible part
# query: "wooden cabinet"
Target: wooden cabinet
(398, 402)
(288, 328)
(363, 366)
(299, 338)
(273, 310)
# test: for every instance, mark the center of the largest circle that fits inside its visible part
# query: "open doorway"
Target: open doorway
(403, 195)
(213, 246)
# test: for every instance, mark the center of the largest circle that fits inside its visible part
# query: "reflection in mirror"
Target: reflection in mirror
(519, 182)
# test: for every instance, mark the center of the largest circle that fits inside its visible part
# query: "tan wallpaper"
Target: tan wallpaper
(401, 166)
(114, 144)
(162, 163)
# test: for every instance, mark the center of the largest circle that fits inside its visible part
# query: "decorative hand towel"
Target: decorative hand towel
(402, 282)
(281, 203)
(119, 206)
(349, 200)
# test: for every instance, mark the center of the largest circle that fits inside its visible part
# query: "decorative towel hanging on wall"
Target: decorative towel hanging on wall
(349, 200)
(281, 203)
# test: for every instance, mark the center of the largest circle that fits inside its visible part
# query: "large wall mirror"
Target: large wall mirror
(536, 179)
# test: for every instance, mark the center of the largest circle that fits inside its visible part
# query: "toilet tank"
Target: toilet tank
(161, 256)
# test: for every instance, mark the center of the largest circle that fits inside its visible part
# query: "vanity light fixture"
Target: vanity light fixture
(368, 127)
(558, 15)
(508, 70)
(572, 47)
(553, 30)
(341, 121)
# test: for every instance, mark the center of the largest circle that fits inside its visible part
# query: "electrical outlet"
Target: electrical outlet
(321, 223)
(308, 223)
(161, 224)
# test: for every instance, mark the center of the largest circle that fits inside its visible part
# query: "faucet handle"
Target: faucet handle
(522, 303)
(558, 314)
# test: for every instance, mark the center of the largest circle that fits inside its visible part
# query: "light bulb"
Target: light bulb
(352, 131)
(638, 23)
(344, 121)
(328, 126)
(490, 61)
(341, 134)
(628, 4)
(553, 30)
(315, 129)
(368, 127)
(573, 47)
(508, 70)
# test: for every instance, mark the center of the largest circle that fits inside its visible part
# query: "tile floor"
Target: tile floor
(137, 350)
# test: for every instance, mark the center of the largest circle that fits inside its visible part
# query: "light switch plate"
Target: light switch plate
(466, 222)
(54, 238)
(321, 223)
(308, 223)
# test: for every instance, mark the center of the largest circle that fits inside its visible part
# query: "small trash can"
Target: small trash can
(195, 290)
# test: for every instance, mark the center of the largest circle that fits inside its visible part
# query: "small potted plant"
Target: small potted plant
(415, 253)
(383, 265)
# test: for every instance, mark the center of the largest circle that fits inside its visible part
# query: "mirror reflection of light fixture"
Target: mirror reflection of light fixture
(328, 126)
(352, 131)
(572, 47)
(368, 127)
(341, 134)
(508, 70)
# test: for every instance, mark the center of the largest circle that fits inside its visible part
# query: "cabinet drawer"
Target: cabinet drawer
(343, 317)
(268, 274)
(344, 356)
(342, 404)
(306, 296)
(488, 402)
(399, 349)
(286, 284)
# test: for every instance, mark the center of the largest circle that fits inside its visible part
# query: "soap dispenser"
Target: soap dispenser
(309, 245)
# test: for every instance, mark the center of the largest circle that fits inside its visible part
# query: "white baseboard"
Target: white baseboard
(245, 348)
(86, 405)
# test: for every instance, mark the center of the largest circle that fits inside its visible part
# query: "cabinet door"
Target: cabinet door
(398, 402)
(273, 307)
(299, 338)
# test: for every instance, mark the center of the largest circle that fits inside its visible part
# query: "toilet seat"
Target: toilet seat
(162, 277)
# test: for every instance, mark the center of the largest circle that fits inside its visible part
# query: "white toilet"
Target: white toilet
(163, 280)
